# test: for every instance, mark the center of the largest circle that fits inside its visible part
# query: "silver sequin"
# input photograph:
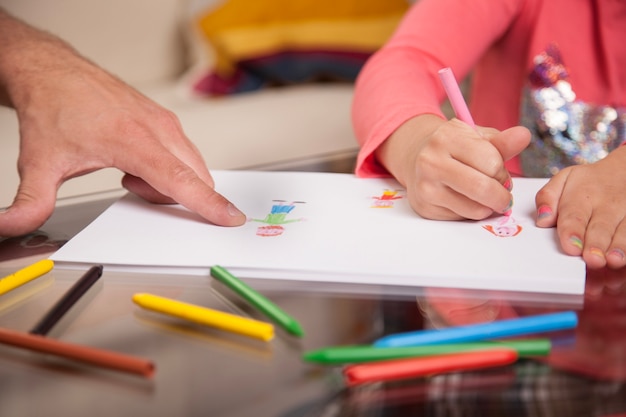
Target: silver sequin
(565, 131)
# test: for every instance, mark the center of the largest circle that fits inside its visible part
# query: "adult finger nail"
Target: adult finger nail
(233, 211)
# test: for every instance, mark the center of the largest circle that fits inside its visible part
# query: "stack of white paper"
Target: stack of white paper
(331, 228)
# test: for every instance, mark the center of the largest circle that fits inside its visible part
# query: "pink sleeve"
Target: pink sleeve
(400, 81)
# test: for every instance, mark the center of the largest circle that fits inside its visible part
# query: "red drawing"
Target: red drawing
(386, 199)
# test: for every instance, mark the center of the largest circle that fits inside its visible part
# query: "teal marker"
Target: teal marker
(365, 353)
(260, 302)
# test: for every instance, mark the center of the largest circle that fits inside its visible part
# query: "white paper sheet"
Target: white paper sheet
(339, 229)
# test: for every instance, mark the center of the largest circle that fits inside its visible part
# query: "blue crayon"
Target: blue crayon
(484, 331)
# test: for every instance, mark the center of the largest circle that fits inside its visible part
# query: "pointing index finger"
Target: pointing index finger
(190, 191)
(173, 178)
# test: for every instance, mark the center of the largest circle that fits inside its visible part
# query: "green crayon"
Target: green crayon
(368, 353)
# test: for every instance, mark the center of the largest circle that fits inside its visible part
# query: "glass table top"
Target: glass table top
(207, 372)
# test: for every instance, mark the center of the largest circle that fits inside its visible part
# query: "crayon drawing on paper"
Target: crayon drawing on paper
(276, 218)
(386, 199)
(505, 226)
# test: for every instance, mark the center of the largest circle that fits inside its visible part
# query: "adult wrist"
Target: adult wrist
(28, 57)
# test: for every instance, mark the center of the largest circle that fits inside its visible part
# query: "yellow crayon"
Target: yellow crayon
(206, 316)
(21, 277)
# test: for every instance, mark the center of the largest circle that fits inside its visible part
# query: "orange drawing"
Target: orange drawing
(506, 226)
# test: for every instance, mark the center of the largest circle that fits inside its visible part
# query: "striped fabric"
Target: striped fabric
(260, 43)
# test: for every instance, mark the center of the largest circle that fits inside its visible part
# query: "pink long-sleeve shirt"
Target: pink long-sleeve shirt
(497, 40)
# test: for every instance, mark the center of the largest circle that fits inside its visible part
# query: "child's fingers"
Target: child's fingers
(447, 204)
(597, 239)
(456, 185)
(474, 195)
(605, 237)
(479, 153)
(587, 227)
(572, 214)
(483, 164)
(547, 200)
(476, 170)
(584, 228)
(615, 256)
(571, 218)
(511, 142)
(452, 176)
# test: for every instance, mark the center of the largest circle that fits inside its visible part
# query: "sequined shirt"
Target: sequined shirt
(502, 42)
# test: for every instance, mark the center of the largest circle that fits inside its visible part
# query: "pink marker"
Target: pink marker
(455, 96)
(458, 104)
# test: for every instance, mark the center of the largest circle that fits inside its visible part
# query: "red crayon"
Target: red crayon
(416, 367)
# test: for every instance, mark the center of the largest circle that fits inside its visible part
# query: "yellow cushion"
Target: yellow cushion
(277, 42)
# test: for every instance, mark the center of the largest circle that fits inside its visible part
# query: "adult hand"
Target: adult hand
(76, 118)
(450, 170)
(587, 204)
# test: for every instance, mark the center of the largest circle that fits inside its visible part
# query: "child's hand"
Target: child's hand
(450, 170)
(587, 203)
